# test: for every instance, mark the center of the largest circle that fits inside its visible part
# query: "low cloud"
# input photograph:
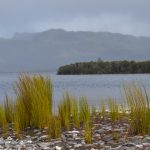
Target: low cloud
(127, 17)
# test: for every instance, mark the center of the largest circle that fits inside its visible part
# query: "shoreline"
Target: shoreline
(105, 135)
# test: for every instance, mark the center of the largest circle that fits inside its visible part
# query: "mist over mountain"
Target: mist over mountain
(46, 51)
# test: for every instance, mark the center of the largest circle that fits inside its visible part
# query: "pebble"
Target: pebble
(103, 138)
(58, 148)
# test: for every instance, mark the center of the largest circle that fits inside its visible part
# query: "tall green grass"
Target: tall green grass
(20, 117)
(54, 128)
(113, 110)
(9, 109)
(3, 121)
(64, 110)
(84, 110)
(87, 133)
(34, 107)
(138, 103)
(103, 110)
(75, 113)
(34, 101)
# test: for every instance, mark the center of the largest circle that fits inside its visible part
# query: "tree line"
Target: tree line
(106, 67)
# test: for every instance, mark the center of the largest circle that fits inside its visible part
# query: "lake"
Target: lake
(95, 87)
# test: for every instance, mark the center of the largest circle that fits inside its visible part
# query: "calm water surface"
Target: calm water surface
(95, 87)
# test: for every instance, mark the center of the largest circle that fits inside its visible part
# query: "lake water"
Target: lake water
(95, 87)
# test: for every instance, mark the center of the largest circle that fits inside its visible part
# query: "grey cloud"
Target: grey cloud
(123, 16)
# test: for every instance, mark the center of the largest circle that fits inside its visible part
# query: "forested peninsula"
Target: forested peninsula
(105, 67)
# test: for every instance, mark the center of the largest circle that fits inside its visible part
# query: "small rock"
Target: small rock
(44, 137)
(140, 146)
(148, 138)
(101, 143)
(44, 144)
(117, 148)
(97, 136)
(29, 141)
(146, 144)
(9, 138)
(129, 144)
(100, 131)
(78, 145)
(107, 138)
(107, 147)
(2, 141)
(58, 148)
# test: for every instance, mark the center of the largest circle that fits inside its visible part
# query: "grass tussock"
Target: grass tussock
(113, 110)
(84, 110)
(34, 101)
(75, 113)
(87, 133)
(3, 122)
(103, 110)
(139, 106)
(34, 104)
(9, 109)
(20, 117)
(54, 128)
(64, 110)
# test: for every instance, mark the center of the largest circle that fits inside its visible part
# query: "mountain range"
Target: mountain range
(47, 50)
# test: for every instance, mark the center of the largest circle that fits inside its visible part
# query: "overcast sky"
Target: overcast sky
(122, 16)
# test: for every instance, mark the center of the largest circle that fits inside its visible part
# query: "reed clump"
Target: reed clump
(65, 110)
(54, 128)
(84, 110)
(34, 101)
(3, 122)
(113, 110)
(9, 109)
(122, 112)
(75, 113)
(20, 117)
(103, 110)
(139, 106)
(87, 133)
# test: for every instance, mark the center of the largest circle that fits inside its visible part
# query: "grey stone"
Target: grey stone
(100, 131)
(140, 146)
(58, 148)
(107, 138)
(44, 144)
(78, 145)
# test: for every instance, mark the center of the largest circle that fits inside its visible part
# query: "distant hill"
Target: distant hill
(50, 49)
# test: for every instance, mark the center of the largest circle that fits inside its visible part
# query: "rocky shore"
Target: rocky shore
(104, 137)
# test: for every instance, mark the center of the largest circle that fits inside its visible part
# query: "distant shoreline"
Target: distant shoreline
(105, 67)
